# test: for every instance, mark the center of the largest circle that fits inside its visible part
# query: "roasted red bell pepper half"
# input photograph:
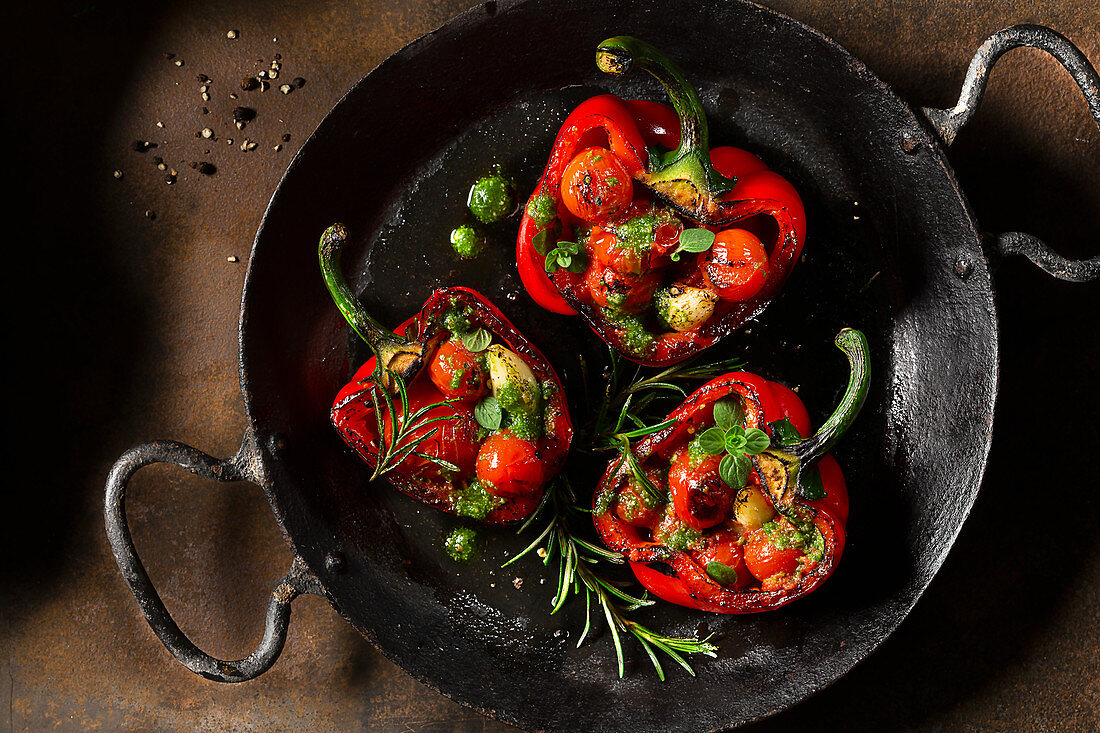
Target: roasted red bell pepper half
(482, 423)
(701, 532)
(663, 245)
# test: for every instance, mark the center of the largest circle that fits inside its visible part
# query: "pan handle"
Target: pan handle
(240, 467)
(948, 122)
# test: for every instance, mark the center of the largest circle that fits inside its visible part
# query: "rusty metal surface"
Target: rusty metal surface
(139, 340)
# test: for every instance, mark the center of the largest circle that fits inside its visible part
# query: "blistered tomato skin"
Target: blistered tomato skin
(699, 496)
(456, 441)
(725, 548)
(456, 373)
(634, 507)
(736, 266)
(596, 186)
(626, 293)
(765, 560)
(509, 466)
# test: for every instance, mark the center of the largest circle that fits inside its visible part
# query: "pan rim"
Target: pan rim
(980, 275)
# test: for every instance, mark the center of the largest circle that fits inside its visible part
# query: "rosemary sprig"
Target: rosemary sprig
(404, 442)
(630, 393)
(576, 559)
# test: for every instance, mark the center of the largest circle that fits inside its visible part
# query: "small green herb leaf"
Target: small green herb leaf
(735, 441)
(811, 484)
(488, 413)
(713, 441)
(728, 413)
(567, 255)
(756, 440)
(734, 470)
(784, 432)
(693, 240)
(721, 573)
(809, 481)
(541, 242)
(477, 340)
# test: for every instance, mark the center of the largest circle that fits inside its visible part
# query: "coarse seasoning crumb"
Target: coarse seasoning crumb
(231, 34)
(150, 214)
(232, 258)
(118, 174)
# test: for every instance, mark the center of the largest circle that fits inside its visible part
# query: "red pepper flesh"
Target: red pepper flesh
(680, 575)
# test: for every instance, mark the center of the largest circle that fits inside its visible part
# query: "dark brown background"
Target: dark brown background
(122, 329)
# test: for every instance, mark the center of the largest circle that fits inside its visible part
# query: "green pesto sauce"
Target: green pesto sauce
(491, 198)
(515, 395)
(635, 506)
(695, 451)
(474, 501)
(636, 338)
(457, 377)
(684, 538)
(457, 320)
(637, 233)
(542, 209)
(467, 242)
(525, 426)
(461, 544)
(785, 536)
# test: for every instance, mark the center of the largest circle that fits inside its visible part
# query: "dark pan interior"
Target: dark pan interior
(888, 236)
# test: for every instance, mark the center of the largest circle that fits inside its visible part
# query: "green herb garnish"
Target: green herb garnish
(488, 413)
(566, 256)
(729, 437)
(476, 340)
(577, 560)
(403, 443)
(693, 240)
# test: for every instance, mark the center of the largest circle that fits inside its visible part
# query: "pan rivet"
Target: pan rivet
(963, 268)
(277, 443)
(334, 562)
(909, 143)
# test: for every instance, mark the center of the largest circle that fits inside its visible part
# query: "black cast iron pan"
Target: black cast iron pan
(892, 249)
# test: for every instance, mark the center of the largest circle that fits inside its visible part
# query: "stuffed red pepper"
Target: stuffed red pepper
(456, 408)
(728, 509)
(662, 244)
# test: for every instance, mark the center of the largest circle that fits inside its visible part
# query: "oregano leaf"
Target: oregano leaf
(721, 573)
(476, 340)
(756, 441)
(696, 240)
(728, 413)
(734, 470)
(713, 441)
(488, 413)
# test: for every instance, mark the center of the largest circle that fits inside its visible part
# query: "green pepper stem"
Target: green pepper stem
(393, 353)
(854, 345)
(691, 160)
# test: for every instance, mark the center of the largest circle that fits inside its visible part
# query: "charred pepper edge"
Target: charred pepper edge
(691, 575)
(443, 305)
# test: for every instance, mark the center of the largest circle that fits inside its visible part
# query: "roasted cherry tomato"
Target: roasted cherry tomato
(737, 265)
(456, 441)
(765, 560)
(626, 293)
(509, 466)
(699, 495)
(725, 548)
(633, 505)
(456, 373)
(596, 186)
(605, 248)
